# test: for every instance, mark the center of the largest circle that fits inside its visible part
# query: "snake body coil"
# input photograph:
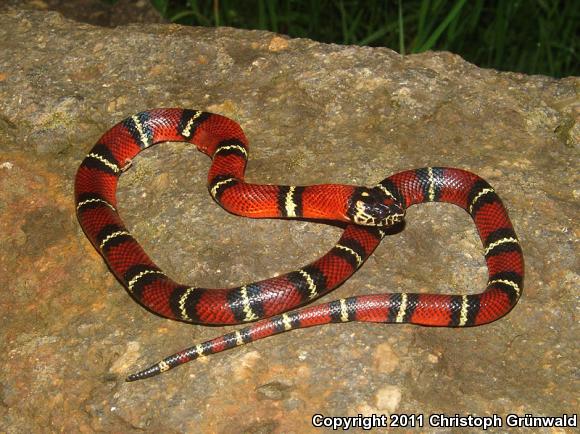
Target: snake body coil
(367, 212)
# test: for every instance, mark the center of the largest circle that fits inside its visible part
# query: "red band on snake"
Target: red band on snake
(367, 212)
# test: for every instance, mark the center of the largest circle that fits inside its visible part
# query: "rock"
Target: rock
(314, 113)
(96, 12)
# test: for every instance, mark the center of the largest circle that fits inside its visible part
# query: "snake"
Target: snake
(367, 215)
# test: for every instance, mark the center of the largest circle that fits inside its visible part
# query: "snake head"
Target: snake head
(373, 207)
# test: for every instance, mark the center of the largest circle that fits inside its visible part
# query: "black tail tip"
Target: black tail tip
(145, 373)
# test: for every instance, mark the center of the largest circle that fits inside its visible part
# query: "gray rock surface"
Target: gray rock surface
(314, 113)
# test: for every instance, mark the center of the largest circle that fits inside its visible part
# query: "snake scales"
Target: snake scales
(367, 212)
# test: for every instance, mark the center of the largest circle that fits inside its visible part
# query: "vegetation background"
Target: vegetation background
(530, 36)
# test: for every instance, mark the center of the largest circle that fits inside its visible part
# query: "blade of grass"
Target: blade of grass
(272, 15)
(183, 14)
(439, 30)
(160, 5)
(262, 20)
(401, 26)
(353, 26)
(216, 13)
(343, 22)
(377, 34)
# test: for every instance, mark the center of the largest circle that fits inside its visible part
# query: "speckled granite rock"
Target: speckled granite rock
(95, 12)
(314, 113)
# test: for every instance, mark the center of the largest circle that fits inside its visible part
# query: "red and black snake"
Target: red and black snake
(368, 213)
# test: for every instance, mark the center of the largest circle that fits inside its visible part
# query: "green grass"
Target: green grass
(530, 36)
